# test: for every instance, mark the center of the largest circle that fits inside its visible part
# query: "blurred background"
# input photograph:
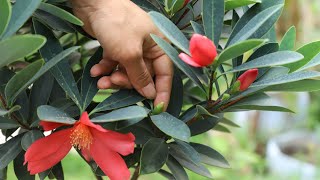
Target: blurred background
(267, 145)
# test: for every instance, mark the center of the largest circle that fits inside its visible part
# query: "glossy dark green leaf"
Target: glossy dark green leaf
(263, 50)
(228, 122)
(197, 28)
(18, 47)
(20, 169)
(289, 39)
(176, 169)
(127, 113)
(61, 71)
(199, 169)
(89, 84)
(166, 174)
(145, 5)
(258, 102)
(3, 173)
(61, 13)
(239, 49)
(292, 77)
(221, 128)
(176, 100)
(23, 101)
(120, 99)
(153, 156)
(6, 123)
(5, 15)
(308, 85)
(10, 151)
(232, 4)
(174, 56)
(172, 126)
(273, 59)
(30, 137)
(52, 114)
(17, 82)
(142, 134)
(210, 156)
(13, 109)
(57, 171)
(273, 73)
(212, 17)
(21, 12)
(171, 31)
(309, 51)
(257, 26)
(183, 149)
(203, 125)
(313, 62)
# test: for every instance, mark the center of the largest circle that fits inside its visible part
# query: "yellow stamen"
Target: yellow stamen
(81, 136)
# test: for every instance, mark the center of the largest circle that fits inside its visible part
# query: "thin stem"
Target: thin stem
(136, 174)
(98, 177)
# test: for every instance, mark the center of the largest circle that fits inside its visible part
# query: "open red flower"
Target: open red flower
(95, 142)
(203, 51)
(247, 78)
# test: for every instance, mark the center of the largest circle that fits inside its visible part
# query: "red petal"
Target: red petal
(121, 143)
(49, 145)
(48, 126)
(49, 161)
(247, 78)
(86, 154)
(84, 119)
(187, 59)
(202, 50)
(111, 163)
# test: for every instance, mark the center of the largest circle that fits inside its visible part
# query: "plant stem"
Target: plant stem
(136, 174)
(211, 86)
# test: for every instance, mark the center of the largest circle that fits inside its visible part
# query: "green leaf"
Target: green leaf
(289, 39)
(229, 123)
(221, 128)
(153, 156)
(18, 47)
(309, 51)
(212, 17)
(20, 169)
(61, 13)
(308, 85)
(273, 59)
(233, 4)
(17, 82)
(239, 49)
(89, 84)
(313, 62)
(292, 77)
(258, 25)
(5, 15)
(174, 56)
(30, 137)
(62, 71)
(258, 102)
(3, 173)
(197, 28)
(145, 5)
(176, 169)
(21, 12)
(273, 73)
(51, 63)
(176, 100)
(128, 113)
(13, 109)
(171, 31)
(6, 123)
(203, 125)
(9, 151)
(52, 114)
(183, 149)
(210, 156)
(263, 50)
(172, 126)
(120, 99)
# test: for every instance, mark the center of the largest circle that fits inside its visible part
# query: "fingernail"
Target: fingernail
(149, 91)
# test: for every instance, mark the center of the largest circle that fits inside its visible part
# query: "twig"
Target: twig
(211, 86)
(136, 174)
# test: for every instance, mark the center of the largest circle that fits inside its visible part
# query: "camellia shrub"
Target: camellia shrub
(226, 59)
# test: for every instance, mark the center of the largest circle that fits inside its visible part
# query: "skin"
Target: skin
(131, 58)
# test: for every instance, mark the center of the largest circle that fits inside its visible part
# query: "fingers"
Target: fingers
(163, 70)
(121, 79)
(105, 83)
(140, 78)
(105, 66)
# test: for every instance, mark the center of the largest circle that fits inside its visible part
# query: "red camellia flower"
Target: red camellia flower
(247, 78)
(203, 51)
(95, 142)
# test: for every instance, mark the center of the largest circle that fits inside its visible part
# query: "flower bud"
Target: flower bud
(203, 52)
(247, 78)
(158, 109)
(225, 97)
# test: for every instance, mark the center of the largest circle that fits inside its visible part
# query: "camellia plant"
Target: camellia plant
(226, 59)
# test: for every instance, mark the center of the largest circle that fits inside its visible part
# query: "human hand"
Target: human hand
(131, 58)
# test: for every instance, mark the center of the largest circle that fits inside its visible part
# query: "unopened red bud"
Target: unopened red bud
(247, 78)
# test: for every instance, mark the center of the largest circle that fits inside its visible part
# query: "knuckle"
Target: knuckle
(143, 78)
